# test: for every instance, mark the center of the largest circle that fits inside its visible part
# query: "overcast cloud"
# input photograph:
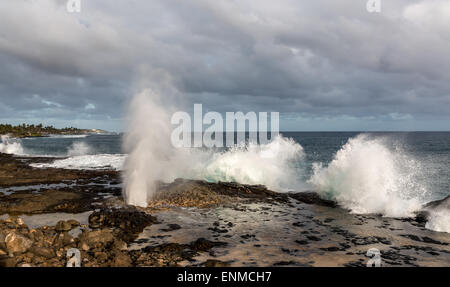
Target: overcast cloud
(323, 64)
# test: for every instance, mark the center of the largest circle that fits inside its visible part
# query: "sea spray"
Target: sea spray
(272, 164)
(11, 146)
(152, 157)
(367, 175)
(147, 143)
(79, 148)
(87, 162)
(439, 220)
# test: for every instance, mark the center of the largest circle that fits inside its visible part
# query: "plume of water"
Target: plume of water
(368, 176)
(10, 146)
(152, 157)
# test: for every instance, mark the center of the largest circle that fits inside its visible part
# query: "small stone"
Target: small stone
(84, 246)
(67, 239)
(73, 222)
(62, 226)
(11, 219)
(101, 256)
(121, 260)
(2, 237)
(102, 236)
(216, 263)
(120, 244)
(8, 262)
(44, 252)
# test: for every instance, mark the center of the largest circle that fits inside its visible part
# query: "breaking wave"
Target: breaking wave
(272, 164)
(11, 146)
(439, 221)
(152, 156)
(88, 162)
(79, 148)
(369, 175)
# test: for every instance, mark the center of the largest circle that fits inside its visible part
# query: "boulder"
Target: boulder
(102, 236)
(43, 252)
(121, 260)
(17, 243)
(309, 197)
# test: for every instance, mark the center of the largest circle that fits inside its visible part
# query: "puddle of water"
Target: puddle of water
(50, 219)
(35, 188)
(39, 187)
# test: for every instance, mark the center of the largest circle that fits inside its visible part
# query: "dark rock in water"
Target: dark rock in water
(215, 263)
(130, 221)
(171, 227)
(442, 203)
(203, 244)
(286, 263)
(312, 198)
(298, 224)
(331, 249)
(73, 222)
(313, 238)
(422, 216)
(217, 230)
(301, 242)
(425, 239)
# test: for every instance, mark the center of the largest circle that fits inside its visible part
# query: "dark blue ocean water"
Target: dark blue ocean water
(430, 149)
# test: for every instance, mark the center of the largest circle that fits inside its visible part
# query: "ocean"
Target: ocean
(384, 172)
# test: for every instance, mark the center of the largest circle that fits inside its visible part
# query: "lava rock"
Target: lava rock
(17, 243)
(312, 198)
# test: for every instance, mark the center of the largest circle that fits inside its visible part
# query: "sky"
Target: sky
(324, 65)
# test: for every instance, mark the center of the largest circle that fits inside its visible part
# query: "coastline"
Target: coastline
(44, 212)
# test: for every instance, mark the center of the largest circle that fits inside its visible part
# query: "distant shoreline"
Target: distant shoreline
(33, 131)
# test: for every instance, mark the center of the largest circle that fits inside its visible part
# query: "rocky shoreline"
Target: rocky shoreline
(45, 213)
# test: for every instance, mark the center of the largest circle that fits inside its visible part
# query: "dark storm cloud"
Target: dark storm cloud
(320, 63)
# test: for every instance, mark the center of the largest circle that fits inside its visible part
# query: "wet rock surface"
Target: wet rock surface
(194, 223)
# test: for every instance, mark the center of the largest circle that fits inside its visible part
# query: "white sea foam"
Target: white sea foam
(270, 164)
(11, 146)
(439, 220)
(153, 157)
(79, 148)
(88, 162)
(367, 175)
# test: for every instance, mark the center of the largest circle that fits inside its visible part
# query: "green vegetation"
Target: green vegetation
(25, 130)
